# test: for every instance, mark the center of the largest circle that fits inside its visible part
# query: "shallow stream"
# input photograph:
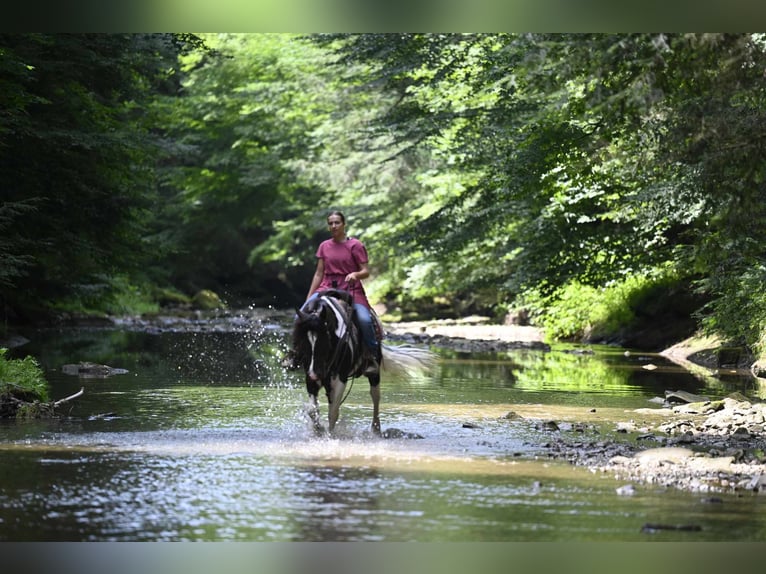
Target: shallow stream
(206, 438)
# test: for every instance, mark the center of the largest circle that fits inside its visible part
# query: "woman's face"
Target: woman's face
(336, 226)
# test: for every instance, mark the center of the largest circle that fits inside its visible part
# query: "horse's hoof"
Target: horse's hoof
(375, 428)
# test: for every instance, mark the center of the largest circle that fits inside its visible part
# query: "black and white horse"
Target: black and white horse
(328, 345)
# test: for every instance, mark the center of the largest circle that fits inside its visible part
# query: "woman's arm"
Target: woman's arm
(363, 273)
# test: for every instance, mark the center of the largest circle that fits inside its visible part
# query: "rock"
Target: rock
(620, 460)
(207, 300)
(516, 317)
(738, 397)
(549, 425)
(626, 490)
(758, 369)
(757, 483)
(693, 408)
(397, 433)
(512, 416)
(686, 438)
(91, 370)
(684, 397)
(664, 454)
(13, 341)
(624, 427)
(646, 436)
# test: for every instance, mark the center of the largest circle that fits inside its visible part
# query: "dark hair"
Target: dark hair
(338, 213)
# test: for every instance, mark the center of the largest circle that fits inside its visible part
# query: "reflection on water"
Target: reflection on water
(206, 438)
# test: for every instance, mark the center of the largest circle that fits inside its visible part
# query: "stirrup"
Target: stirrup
(373, 368)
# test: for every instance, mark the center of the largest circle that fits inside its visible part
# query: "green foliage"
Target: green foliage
(75, 163)
(737, 312)
(15, 261)
(575, 311)
(489, 170)
(235, 143)
(597, 157)
(132, 299)
(566, 313)
(22, 375)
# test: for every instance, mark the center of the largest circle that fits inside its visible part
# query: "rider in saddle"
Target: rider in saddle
(342, 264)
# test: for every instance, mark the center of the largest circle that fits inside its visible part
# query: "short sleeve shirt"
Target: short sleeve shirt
(340, 259)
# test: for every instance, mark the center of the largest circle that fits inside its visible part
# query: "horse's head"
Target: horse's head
(315, 337)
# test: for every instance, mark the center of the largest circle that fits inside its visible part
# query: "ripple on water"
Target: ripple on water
(444, 442)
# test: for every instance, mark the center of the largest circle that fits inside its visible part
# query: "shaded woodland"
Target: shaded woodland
(593, 181)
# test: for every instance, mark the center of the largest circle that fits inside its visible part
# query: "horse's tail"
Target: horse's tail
(405, 359)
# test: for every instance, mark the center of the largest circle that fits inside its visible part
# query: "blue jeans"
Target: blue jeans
(365, 325)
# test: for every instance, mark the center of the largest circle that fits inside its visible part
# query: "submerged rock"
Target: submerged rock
(398, 433)
(91, 370)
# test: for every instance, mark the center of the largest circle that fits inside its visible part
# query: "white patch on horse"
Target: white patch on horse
(312, 337)
(340, 328)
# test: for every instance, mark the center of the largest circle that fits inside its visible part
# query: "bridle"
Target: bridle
(342, 345)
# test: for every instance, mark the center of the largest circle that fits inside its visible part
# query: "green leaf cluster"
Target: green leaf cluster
(571, 173)
(586, 159)
(75, 165)
(23, 376)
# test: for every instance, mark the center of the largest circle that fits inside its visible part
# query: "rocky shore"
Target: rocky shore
(696, 445)
(708, 446)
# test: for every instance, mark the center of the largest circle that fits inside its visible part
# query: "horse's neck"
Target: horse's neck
(335, 312)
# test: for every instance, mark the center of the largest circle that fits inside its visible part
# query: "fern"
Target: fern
(22, 376)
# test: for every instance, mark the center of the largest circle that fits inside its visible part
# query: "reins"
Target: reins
(342, 342)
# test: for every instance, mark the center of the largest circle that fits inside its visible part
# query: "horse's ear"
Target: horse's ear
(302, 315)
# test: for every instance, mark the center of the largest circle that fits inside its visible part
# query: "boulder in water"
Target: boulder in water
(91, 370)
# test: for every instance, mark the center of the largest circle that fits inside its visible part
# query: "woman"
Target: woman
(342, 264)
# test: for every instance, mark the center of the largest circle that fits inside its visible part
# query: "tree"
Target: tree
(75, 162)
(584, 158)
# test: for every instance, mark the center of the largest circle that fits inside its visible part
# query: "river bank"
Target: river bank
(697, 445)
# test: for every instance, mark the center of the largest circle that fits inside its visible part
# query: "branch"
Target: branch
(69, 398)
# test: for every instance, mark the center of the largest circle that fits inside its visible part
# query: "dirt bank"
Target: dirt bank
(468, 334)
(475, 328)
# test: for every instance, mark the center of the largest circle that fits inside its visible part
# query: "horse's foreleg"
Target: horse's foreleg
(334, 398)
(313, 412)
(375, 394)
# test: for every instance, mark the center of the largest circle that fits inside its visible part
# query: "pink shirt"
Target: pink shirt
(340, 259)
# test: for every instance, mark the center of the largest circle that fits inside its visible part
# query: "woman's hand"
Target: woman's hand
(363, 273)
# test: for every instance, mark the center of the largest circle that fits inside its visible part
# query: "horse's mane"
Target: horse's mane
(315, 313)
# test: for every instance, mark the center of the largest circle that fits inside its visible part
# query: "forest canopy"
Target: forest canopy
(589, 179)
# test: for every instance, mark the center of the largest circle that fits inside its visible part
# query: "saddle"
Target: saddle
(346, 297)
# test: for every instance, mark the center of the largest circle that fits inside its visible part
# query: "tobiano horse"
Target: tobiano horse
(328, 345)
